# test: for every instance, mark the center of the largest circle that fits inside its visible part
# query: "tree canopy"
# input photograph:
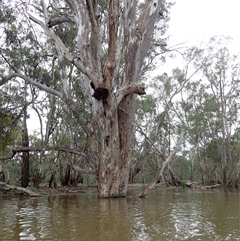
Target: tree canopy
(81, 67)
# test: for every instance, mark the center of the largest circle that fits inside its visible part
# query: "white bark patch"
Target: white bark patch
(131, 27)
(103, 174)
(105, 188)
(153, 7)
(65, 81)
(131, 4)
(79, 36)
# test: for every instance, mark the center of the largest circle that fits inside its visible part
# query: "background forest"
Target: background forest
(59, 146)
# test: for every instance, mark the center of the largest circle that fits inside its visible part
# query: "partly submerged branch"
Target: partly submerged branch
(144, 192)
(22, 189)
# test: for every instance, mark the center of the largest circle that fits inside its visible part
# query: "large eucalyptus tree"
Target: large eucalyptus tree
(106, 43)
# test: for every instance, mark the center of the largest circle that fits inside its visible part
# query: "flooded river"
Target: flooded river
(165, 214)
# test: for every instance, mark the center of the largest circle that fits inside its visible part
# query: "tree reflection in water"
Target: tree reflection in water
(165, 214)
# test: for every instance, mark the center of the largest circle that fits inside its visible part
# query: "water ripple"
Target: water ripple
(164, 215)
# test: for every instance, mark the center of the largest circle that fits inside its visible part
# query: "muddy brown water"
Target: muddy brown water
(165, 214)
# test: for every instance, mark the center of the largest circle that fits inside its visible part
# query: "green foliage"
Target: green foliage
(146, 105)
(203, 105)
(213, 150)
(7, 15)
(9, 125)
(183, 184)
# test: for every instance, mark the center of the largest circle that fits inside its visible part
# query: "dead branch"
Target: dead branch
(62, 19)
(38, 149)
(22, 189)
(86, 171)
(145, 190)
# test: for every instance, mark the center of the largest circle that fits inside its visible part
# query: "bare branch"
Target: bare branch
(5, 79)
(138, 38)
(45, 11)
(160, 171)
(128, 89)
(77, 61)
(109, 66)
(39, 85)
(95, 34)
(55, 21)
(71, 5)
(86, 171)
(39, 149)
(145, 30)
(63, 19)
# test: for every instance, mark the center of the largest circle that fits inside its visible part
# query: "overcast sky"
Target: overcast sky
(193, 21)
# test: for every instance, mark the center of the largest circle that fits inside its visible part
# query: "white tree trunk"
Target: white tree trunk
(115, 112)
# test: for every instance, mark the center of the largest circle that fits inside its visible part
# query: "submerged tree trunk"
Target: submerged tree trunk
(25, 169)
(109, 165)
(118, 117)
(2, 176)
(109, 83)
(52, 181)
(116, 147)
(25, 143)
(202, 166)
(174, 179)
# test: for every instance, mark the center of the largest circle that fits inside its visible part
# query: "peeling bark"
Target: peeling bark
(112, 108)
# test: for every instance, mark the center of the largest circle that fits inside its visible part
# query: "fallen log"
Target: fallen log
(188, 183)
(22, 189)
(211, 186)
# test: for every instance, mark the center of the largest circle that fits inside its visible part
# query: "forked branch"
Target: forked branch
(76, 60)
(128, 89)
